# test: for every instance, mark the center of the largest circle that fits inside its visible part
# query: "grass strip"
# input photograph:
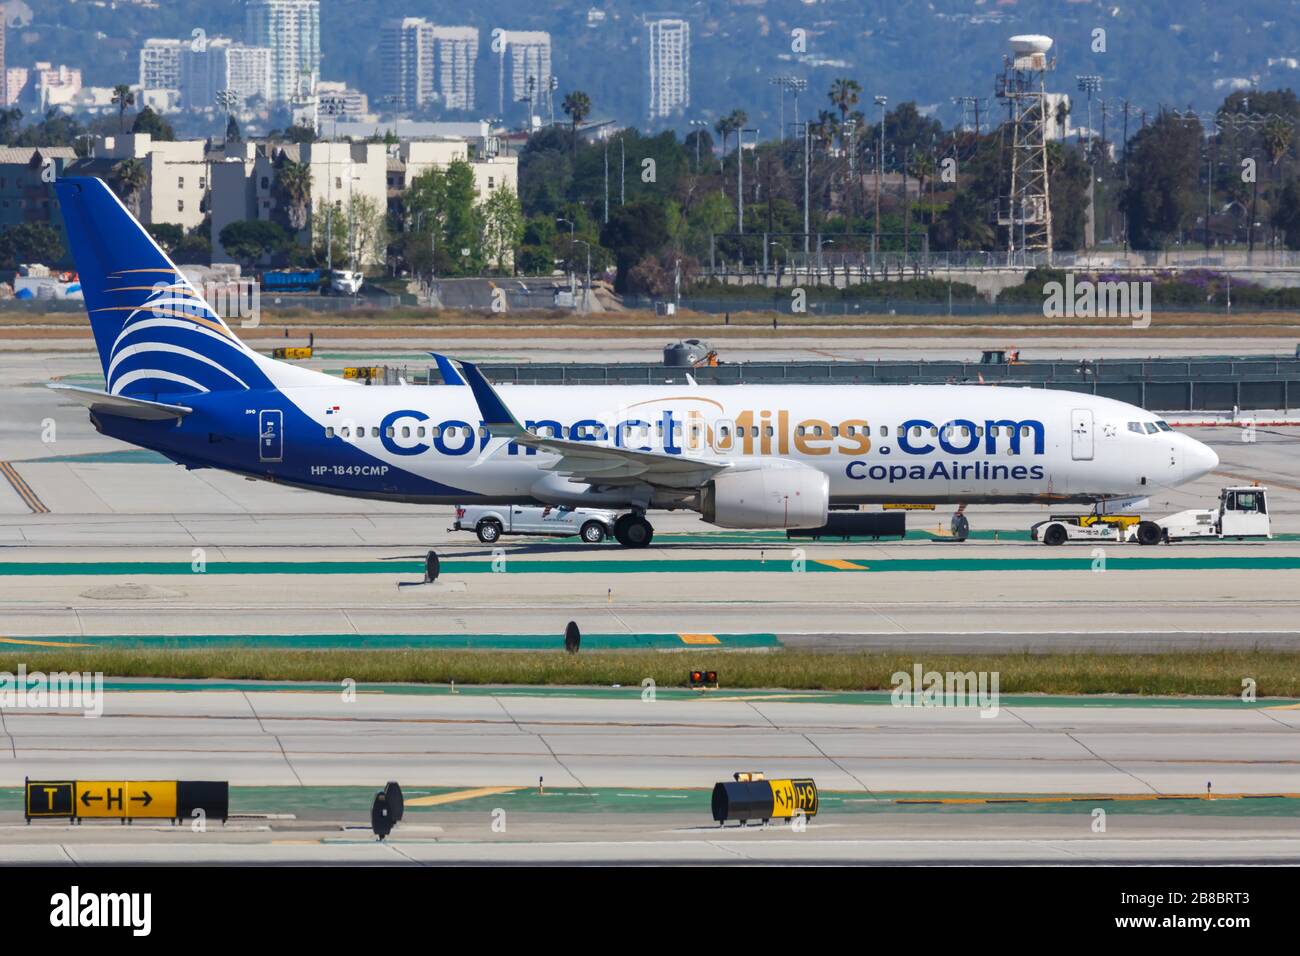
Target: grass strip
(1209, 673)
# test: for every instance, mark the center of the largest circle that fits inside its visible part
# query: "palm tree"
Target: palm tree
(578, 105)
(293, 191)
(129, 179)
(123, 99)
(844, 96)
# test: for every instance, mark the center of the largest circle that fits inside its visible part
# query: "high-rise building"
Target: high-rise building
(668, 62)
(4, 86)
(426, 65)
(290, 29)
(529, 52)
(222, 64)
(160, 64)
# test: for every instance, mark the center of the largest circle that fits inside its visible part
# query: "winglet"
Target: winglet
(450, 376)
(495, 415)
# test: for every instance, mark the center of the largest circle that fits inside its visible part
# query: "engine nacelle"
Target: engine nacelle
(777, 494)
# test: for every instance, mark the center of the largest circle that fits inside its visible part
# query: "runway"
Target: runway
(627, 780)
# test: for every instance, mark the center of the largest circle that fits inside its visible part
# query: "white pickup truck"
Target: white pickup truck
(490, 522)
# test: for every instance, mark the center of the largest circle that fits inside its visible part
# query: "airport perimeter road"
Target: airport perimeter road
(625, 780)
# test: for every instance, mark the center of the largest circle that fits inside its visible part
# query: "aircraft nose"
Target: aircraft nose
(1199, 459)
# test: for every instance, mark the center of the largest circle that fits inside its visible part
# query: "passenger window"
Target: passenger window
(884, 431)
(850, 430)
(374, 431)
(482, 432)
(754, 431)
(390, 431)
(769, 431)
(1025, 431)
(801, 430)
(329, 431)
(406, 431)
(433, 431)
(419, 432)
(346, 432)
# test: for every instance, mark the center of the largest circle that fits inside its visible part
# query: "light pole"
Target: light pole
(880, 166)
(622, 171)
(586, 290)
(1089, 83)
(606, 180)
(740, 176)
(699, 135)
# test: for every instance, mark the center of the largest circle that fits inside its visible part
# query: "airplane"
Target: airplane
(180, 382)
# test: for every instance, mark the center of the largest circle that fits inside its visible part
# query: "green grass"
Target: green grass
(1211, 673)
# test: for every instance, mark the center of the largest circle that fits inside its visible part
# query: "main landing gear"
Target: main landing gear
(633, 531)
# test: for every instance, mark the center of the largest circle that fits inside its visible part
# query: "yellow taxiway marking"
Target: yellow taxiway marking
(1133, 797)
(438, 799)
(17, 640)
(841, 565)
(699, 639)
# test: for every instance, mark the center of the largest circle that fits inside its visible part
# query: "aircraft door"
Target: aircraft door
(270, 436)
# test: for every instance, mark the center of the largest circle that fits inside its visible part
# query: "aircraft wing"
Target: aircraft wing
(586, 461)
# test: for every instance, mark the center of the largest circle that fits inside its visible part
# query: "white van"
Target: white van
(490, 522)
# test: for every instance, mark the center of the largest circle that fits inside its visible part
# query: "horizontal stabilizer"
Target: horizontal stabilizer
(120, 405)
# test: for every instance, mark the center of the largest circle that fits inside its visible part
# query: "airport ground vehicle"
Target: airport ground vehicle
(1059, 529)
(490, 522)
(1242, 512)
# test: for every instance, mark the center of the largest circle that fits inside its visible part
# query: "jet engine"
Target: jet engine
(775, 494)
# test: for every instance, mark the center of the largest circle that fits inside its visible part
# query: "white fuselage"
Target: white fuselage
(875, 443)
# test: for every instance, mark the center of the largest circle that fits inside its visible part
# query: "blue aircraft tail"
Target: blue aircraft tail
(155, 334)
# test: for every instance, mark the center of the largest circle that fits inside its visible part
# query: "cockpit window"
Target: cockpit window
(1135, 427)
(1163, 426)
(1151, 428)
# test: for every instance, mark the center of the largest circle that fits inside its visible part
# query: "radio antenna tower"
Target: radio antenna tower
(1024, 207)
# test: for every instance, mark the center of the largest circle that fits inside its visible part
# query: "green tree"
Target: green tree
(232, 130)
(633, 232)
(147, 121)
(1286, 217)
(123, 99)
(251, 240)
(292, 191)
(844, 96)
(503, 227)
(577, 106)
(1163, 192)
(30, 242)
(129, 178)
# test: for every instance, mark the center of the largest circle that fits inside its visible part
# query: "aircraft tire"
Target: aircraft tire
(633, 531)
